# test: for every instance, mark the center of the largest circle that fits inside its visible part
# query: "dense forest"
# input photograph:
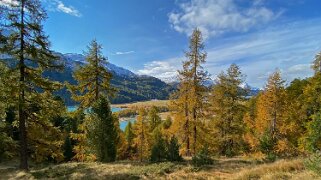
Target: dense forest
(281, 121)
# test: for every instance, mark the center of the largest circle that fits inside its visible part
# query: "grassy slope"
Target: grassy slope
(143, 104)
(146, 104)
(235, 168)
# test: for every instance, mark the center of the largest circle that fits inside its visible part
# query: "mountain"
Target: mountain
(131, 87)
(252, 90)
(72, 60)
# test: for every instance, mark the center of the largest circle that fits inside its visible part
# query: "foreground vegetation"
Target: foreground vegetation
(224, 168)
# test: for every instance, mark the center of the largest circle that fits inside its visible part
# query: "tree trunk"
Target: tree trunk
(97, 74)
(22, 114)
(195, 131)
(188, 149)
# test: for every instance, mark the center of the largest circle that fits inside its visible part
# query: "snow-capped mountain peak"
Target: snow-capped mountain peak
(72, 60)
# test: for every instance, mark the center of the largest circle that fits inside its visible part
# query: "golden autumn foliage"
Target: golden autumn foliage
(142, 140)
(189, 101)
(227, 108)
(92, 79)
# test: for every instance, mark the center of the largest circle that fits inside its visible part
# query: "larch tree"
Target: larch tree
(129, 134)
(93, 82)
(250, 134)
(316, 66)
(180, 111)
(142, 136)
(153, 117)
(227, 105)
(129, 137)
(28, 44)
(190, 98)
(93, 79)
(270, 115)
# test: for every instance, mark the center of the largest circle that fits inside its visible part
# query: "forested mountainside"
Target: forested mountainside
(130, 86)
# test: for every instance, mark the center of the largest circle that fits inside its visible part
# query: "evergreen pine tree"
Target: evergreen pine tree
(102, 131)
(68, 153)
(173, 150)
(312, 138)
(158, 151)
(93, 82)
(28, 44)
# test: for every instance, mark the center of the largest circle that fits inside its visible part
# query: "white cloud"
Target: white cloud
(123, 53)
(290, 47)
(299, 68)
(59, 6)
(164, 70)
(215, 17)
(67, 9)
(9, 3)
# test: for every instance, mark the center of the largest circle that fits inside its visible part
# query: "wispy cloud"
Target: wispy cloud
(59, 6)
(123, 53)
(163, 70)
(216, 17)
(290, 47)
(9, 3)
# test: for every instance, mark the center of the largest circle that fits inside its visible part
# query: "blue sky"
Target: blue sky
(150, 36)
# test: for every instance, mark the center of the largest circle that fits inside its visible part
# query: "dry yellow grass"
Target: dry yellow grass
(224, 168)
(143, 104)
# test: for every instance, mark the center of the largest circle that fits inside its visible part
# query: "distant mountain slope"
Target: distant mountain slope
(131, 87)
(72, 60)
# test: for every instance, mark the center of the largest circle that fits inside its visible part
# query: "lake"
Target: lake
(122, 124)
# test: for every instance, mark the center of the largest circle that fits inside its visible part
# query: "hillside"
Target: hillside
(131, 87)
(232, 168)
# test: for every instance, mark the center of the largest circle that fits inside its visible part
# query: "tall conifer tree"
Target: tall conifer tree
(142, 139)
(93, 79)
(316, 66)
(269, 124)
(28, 44)
(190, 98)
(227, 100)
(102, 131)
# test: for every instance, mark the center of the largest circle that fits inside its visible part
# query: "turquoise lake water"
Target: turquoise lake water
(122, 124)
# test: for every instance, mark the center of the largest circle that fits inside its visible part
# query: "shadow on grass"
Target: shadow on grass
(78, 171)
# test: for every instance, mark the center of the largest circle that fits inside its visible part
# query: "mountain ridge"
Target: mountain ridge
(131, 87)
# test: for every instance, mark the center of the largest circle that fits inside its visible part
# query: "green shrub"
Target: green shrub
(158, 152)
(267, 144)
(202, 158)
(173, 150)
(313, 163)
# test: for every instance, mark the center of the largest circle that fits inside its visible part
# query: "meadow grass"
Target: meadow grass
(143, 104)
(223, 168)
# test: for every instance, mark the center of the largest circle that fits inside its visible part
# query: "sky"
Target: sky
(151, 36)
